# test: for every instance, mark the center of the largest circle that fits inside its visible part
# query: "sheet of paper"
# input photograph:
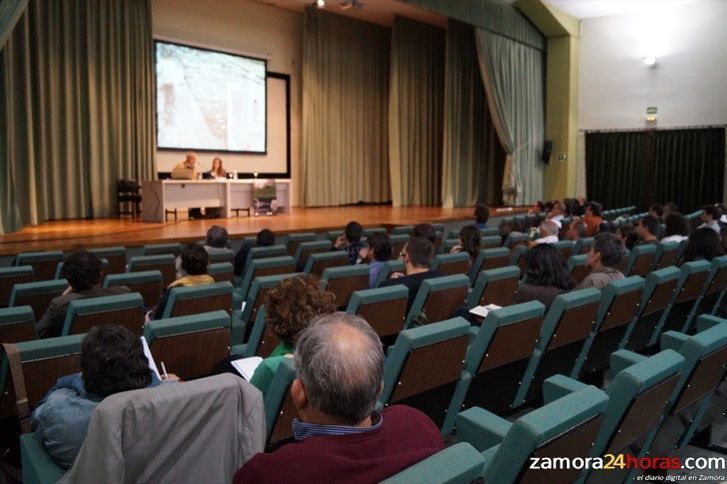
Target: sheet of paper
(147, 353)
(246, 366)
(483, 311)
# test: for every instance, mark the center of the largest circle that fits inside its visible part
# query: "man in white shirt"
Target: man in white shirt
(557, 214)
(710, 216)
(548, 231)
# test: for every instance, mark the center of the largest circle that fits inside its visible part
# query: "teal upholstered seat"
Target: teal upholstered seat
(686, 298)
(451, 264)
(666, 254)
(490, 241)
(263, 338)
(37, 295)
(198, 299)
(408, 378)
(519, 257)
(456, 464)
(320, 261)
(582, 245)
(17, 324)
(279, 409)
(514, 239)
(292, 241)
(402, 230)
(241, 318)
(268, 266)
(489, 259)
(305, 249)
(190, 346)
(343, 281)
(265, 252)
(715, 289)
(565, 247)
(437, 299)
(374, 230)
(9, 276)
(126, 310)
(222, 272)
(578, 267)
(163, 263)
(43, 263)
(495, 286)
(158, 249)
(116, 257)
(147, 283)
(383, 308)
(38, 466)
(641, 260)
(398, 242)
(220, 254)
(389, 268)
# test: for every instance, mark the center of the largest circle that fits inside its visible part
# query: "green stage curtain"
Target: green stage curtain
(514, 81)
(689, 167)
(345, 110)
(472, 155)
(416, 113)
(615, 168)
(79, 107)
(10, 12)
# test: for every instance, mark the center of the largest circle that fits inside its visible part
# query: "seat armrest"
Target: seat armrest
(558, 386)
(489, 456)
(237, 328)
(622, 359)
(672, 340)
(481, 428)
(706, 321)
(38, 466)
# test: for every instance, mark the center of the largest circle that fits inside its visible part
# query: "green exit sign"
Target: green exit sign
(651, 110)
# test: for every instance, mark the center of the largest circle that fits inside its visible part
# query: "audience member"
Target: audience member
(670, 207)
(194, 265)
(676, 227)
(290, 307)
(538, 207)
(656, 211)
(648, 229)
(190, 163)
(603, 259)
(710, 218)
(628, 236)
(469, 241)
(546, 276)
(481, 216)
(576, 230)
(570, 205)
(339, 436)
(557, 214)
(580, 206)
(593, 219)
(417, 254)
(350, 241)
(375, 254)
(265, 238)
(217, 238)
(425, 230)
(703, 244)
(548, 231)
(112, 361)
(83, 271)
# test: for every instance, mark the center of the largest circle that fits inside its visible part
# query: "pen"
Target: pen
(164, 370)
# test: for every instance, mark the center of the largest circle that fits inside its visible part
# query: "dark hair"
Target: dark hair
(540, 206)
(545, 267)
(704, 244)
(559, 205)
(628, 233)
(420, 251)
(112, 361)
(217, 237)
(425, 230)
(580, 228)
(675, 224)
(570, 205)
(194, 259)
(294, 303)
(658, 209)
(470, 236)
(482, 214)
(596, 208)
(610, 249)
(651, 224)
(265, 238)
(380, 244)
(353, 232)
(82, 269)
(712, 211)
(548, 206)
(671, 207)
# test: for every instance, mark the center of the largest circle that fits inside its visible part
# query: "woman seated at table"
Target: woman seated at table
(217, 170)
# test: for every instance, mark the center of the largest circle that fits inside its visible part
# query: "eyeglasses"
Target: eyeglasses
(402, 254)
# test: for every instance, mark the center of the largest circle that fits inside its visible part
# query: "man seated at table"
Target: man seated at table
(190, 163)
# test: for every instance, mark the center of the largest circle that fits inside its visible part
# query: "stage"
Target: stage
(75, 234)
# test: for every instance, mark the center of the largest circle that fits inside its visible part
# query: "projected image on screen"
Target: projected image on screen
(209, 100)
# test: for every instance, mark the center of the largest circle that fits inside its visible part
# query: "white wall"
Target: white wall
(248, 28)
(689, 83)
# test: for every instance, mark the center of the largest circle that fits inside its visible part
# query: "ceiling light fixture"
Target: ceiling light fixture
(649, 60)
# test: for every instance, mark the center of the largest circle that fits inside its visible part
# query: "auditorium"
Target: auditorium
(400, 241)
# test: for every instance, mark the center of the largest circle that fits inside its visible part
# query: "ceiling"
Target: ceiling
(377, 11)
(583, 9)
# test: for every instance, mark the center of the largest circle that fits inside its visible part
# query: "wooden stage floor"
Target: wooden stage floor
(75, 234)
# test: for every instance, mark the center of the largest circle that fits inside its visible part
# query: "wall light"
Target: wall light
(320, 3)
(649, 60)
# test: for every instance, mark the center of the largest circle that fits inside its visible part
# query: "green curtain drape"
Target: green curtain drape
(689, 167)
(416, 113)
(514, 80)
(10, 12)
(345, 111)
(79, 107)
(615, 168)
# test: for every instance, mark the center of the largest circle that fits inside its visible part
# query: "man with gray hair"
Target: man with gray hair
(339, 436)
(548, 231)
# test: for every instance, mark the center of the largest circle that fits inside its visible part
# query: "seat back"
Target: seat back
(320, 261)
(374, 230)
(383, 308)
(451, 264)
(254, 253)
(437, 299)
(126, 310)
(116, 257)
(269, 266)
(389, 268)
(39, 364)
(495, 286)
(305, 249)
(514, 239)
(519, 258)
(184, 301)
(263, 338)
(397, 244)
(344, 281)
(717, 281)
(190, 346)
(43, 263)
(425, 365)
(160, 249)
(578, 267)
(279, 408)
(146, 283)
(9, 276)
(222, 272)
(37, 295)
(641, 260)
(455, 464)
(565, 247)
(255, 296)
(582, 245)
(666, 254)
(163, 263)
(490, 259)
(292, 241)
(223, 254)
(688, 294)
(17, 324)
(499, 355)
(402, 230)
(490, 241)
